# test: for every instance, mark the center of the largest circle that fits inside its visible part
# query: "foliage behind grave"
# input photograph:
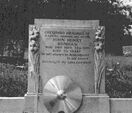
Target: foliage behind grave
(119, 77)
(13, 81)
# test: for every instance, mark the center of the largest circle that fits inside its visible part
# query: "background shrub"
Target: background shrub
(13, 81)
(119, 76)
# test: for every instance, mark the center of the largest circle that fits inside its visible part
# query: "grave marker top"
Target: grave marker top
(67, 23)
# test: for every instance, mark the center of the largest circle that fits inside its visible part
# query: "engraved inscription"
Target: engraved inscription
(67, 46)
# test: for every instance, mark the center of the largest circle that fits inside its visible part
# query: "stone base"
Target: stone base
(95, 103)
(41, 107)
(31, 103)
(92, 103)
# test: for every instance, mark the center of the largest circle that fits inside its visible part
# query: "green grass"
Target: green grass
(13, 81)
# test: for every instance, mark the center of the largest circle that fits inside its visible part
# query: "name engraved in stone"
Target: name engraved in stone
(66, 46)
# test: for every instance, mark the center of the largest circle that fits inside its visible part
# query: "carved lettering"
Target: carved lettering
(69, 46)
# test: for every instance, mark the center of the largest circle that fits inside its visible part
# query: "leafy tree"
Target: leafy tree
(16, 15)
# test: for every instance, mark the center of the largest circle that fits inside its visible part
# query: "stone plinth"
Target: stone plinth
(92, 103)
(30, 105)
(95, 103)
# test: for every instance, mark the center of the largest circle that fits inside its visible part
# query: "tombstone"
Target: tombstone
(66, 67)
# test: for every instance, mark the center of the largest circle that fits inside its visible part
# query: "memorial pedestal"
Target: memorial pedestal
(69, 48)
(92, 103)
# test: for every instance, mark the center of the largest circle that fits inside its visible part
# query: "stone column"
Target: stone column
(99, 60)
(33, 71)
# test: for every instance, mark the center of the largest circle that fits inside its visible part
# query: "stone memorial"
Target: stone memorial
(66, 67)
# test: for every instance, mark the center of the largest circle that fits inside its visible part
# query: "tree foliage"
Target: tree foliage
(16, 15)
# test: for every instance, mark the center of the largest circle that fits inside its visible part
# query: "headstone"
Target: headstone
(68, 52)
(68, 48)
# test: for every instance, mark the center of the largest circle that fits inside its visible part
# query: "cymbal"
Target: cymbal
(62, 95)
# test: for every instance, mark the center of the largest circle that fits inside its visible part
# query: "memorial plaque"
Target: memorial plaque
(68, 51)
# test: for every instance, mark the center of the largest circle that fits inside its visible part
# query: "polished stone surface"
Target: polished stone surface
(68, 51)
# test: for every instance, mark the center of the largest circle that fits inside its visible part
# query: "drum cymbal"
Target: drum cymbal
(62, 95)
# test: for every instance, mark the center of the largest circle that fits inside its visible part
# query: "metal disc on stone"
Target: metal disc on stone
(62, 95)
